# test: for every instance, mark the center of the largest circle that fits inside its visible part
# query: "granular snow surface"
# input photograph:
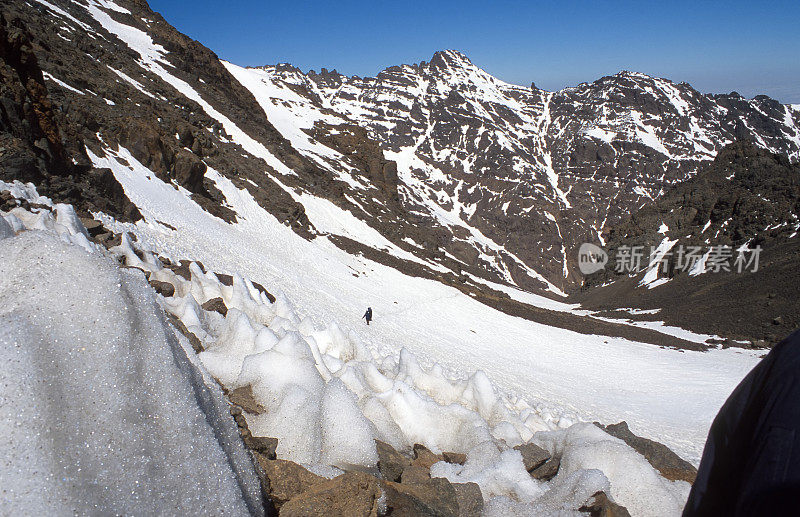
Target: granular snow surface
(101, 410)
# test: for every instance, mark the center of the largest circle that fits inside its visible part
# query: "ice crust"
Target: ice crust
(101, 411)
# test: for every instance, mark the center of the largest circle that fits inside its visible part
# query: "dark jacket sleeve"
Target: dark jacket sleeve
(751, 461)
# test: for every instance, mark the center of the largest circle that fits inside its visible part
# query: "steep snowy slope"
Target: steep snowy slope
(665, 393)
(325, 394)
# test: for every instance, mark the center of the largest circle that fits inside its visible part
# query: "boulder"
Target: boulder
(533, 456)
(284, 480)
(163, 288)
(436, 497)
(661, 457)
(351, 494)
(547, 470)
(216, 305)
(469, 498)
(390, 462)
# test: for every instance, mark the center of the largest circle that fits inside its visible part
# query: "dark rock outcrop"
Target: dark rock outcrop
(661, 457)
(352, 493)
(216, 305)
(533, 456)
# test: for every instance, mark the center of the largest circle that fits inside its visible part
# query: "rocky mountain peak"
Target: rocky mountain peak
(450, 59)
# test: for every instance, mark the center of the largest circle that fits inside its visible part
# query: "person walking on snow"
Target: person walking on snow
(368, 315)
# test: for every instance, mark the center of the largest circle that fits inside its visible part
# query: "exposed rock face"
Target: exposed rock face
(661, 457)
(746, 196)
(33, 146)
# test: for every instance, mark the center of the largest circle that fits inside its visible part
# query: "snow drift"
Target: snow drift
(101, 410)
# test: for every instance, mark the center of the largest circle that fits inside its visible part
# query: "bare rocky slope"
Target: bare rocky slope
(747, 197)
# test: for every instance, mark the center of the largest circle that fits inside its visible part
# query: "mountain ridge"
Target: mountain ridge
(633, 146)
(437, 169)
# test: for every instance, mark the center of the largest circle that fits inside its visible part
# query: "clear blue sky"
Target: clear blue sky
(750, 47)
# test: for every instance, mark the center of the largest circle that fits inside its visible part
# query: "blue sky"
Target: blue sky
(750, 47)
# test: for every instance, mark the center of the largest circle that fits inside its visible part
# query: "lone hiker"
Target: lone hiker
(368, 315)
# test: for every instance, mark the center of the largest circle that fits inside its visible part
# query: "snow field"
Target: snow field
(328, 397)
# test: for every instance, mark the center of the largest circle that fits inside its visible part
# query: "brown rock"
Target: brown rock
(181, 269)
(109, 240)
(390, 462)
(454, 457)
(601, 506)
(93, 226)
(243, 397)
(415, 474)
(197, 345)
(436, 497)
(661, 457)
(469, 498)
(224, 279)
(353, 494)
(533, 456)
(189, 170)
(423, 457)
(261, 444)
(163, 288)
(283, 480)
(217, 305)
(261, 288)
(548, 470)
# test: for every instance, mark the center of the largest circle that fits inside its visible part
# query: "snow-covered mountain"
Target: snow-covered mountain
(521, 174)
(450, 202)
(456, 174)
